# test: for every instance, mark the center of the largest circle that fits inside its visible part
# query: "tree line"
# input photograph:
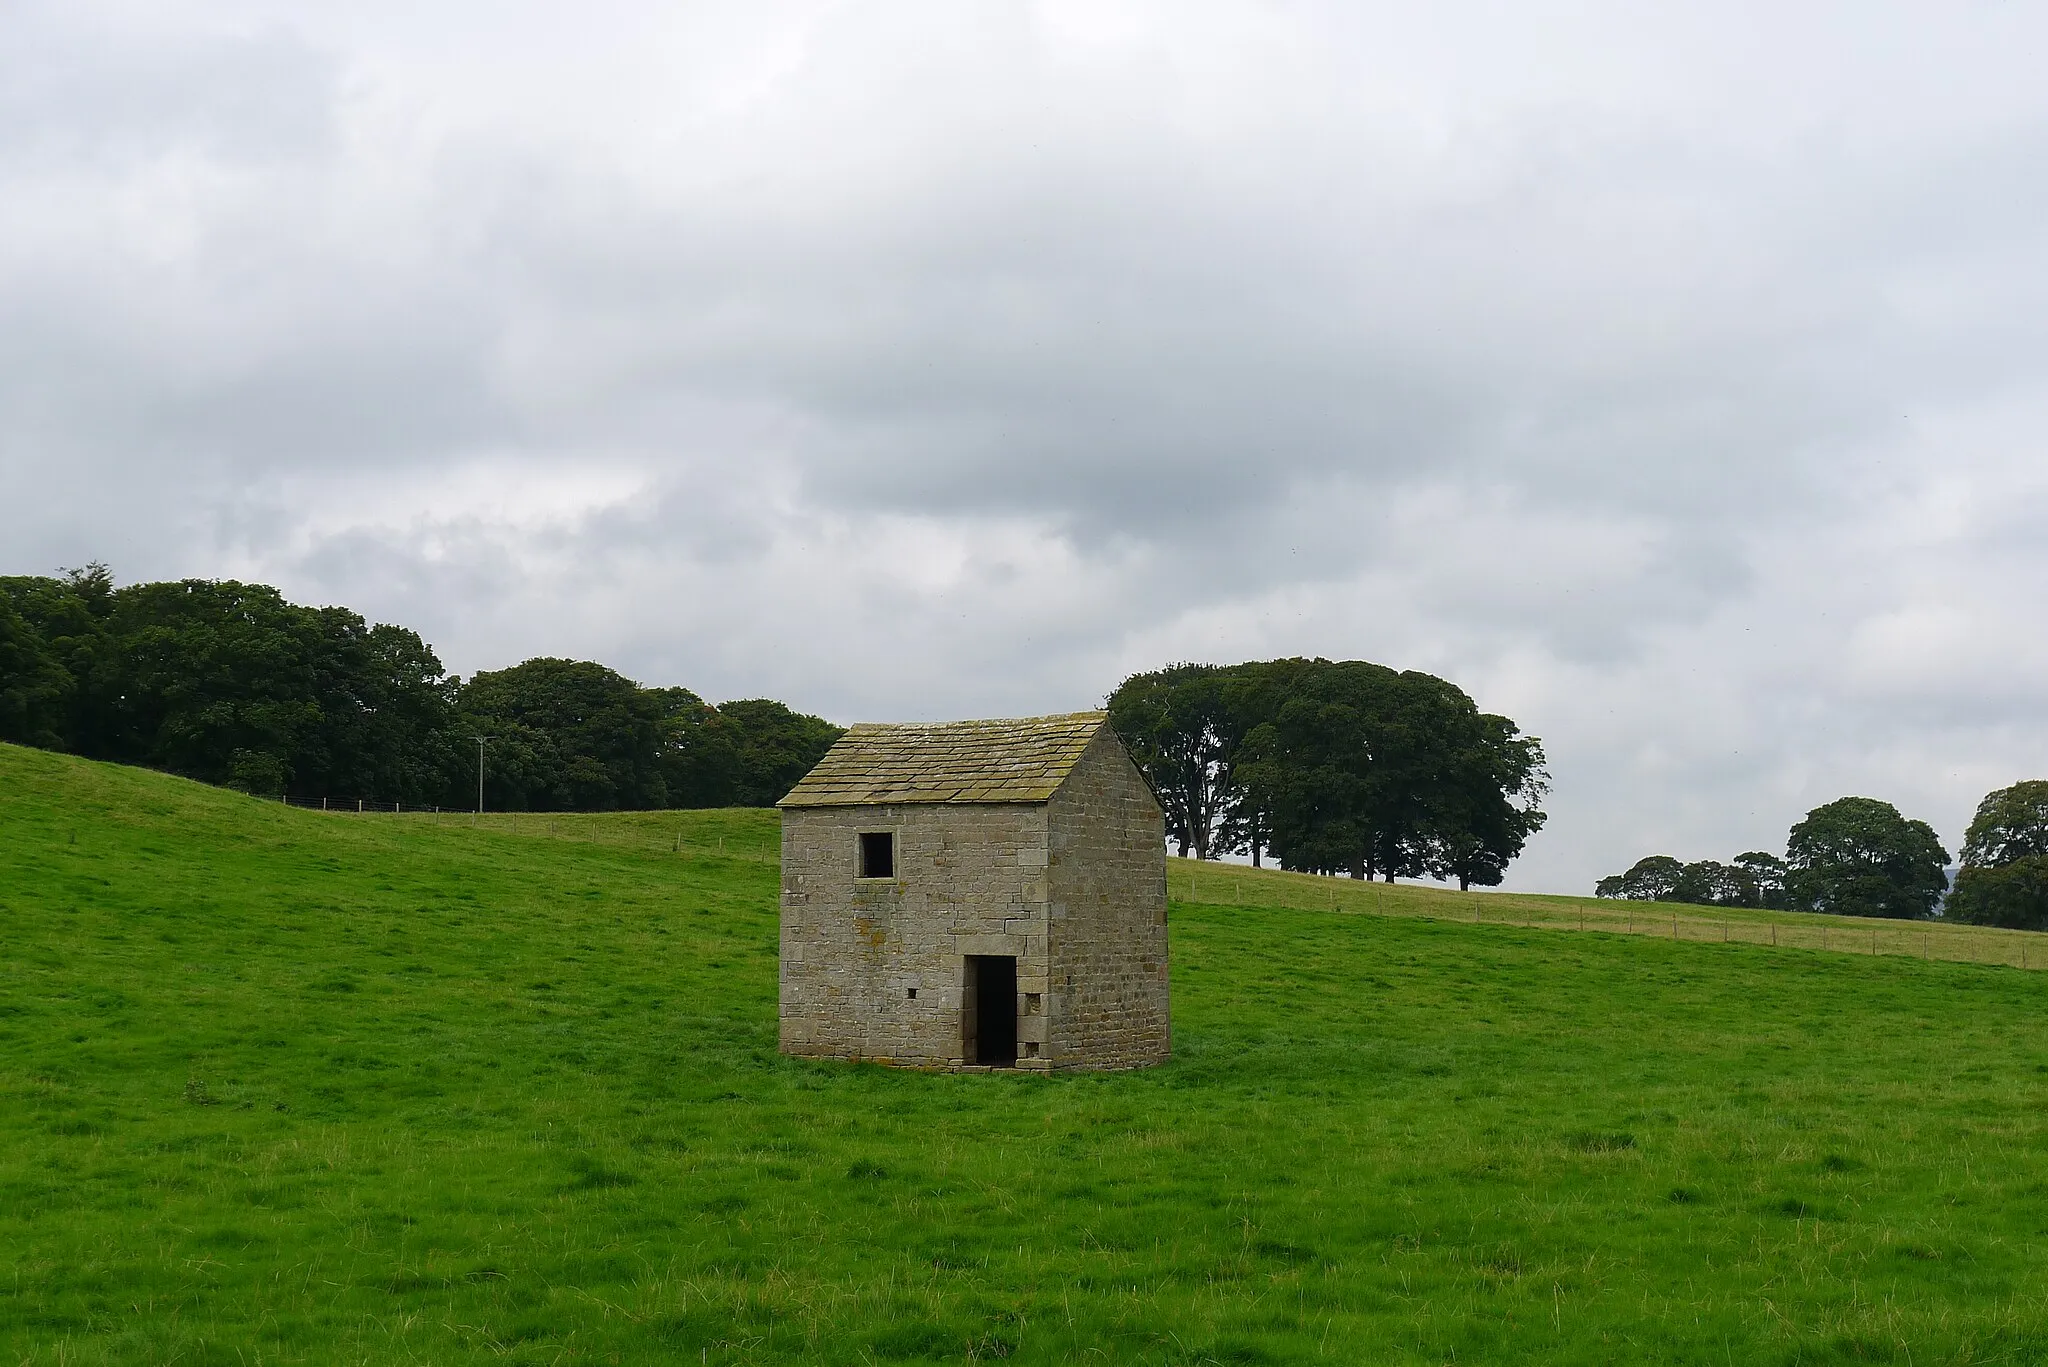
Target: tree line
(231, 684)
(1333, 766)
(1857, 856)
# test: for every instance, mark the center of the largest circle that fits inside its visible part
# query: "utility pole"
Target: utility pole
(480, 742)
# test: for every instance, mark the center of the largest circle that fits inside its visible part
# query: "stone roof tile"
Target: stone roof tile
(1020, 760)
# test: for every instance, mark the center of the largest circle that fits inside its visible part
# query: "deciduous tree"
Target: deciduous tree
(1766, 873)
(35, 690)
(1183, 729)
(773, 747)
(1655, 878)
(1857, 856)
(2004, 877)
(569, 735)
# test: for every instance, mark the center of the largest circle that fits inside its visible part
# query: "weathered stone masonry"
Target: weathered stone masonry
(1033, 840)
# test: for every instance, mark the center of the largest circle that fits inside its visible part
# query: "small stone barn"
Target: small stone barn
(976, 894)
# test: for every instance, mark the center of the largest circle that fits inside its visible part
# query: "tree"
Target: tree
(201, 677)
(570, 735)
(35, 689)
(699, 750)
(1653, 879)
(2010, 824)
(1705, 882)
(2004, 877)
(1310, 762)
(773, 747)
(1428, 735)
(1699, 883)
(230, 683)
(1347, 766)
(67, 616)
(1857, 856)
(387, 711)
(2014, 895)
(1766, 873)
(1183, 732)
(1488, 809)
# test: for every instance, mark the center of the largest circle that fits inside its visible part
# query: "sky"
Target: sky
(1673, 378)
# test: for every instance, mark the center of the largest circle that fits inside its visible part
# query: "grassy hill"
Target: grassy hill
(278, 1086)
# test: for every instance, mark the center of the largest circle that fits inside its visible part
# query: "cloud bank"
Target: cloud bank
(1673, 382)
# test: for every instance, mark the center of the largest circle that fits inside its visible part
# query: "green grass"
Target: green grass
(284, 1087)
(1233, 885)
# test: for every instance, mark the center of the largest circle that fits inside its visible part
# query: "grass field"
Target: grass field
(278, 1086)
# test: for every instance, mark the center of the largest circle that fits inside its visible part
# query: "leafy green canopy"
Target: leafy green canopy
(1754, 879)
(1854, 856)
(230, 683)
(1334, 766)
(2004, 878)
(1857, 856)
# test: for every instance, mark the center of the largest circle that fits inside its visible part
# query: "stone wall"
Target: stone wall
(970, 879)
(1073, 889)
(1110, 995)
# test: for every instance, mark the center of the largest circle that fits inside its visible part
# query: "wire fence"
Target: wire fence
(355, 805)
(1226, 885)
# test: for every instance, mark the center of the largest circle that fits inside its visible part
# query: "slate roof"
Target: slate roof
(1022, 760)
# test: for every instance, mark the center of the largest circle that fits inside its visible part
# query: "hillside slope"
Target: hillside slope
(1234, 885)
(284, 1087)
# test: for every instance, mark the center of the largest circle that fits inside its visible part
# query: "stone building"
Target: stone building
(976, 894)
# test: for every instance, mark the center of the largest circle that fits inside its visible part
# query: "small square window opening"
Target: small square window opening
(913, 994)
(878, 855)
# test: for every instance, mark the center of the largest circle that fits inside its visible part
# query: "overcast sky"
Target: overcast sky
(1674, 378)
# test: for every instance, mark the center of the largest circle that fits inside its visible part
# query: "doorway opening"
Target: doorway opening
(989, 1010)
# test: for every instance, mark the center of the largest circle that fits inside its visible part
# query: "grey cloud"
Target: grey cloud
(926, 361)
(75, 94)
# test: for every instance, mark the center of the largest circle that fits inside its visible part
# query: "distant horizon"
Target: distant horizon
(1511, 884)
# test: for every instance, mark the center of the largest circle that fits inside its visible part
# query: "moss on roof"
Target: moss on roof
(1020, 760)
